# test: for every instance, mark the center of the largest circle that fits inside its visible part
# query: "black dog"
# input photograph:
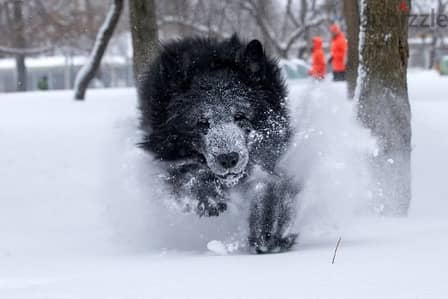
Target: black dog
(215, 113)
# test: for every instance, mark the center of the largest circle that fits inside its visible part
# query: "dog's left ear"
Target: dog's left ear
(254, 60)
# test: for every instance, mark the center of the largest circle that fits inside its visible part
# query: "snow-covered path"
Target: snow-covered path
(390, 259)
(71, 225)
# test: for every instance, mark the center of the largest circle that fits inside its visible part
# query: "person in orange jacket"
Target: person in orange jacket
(338, 53)
(319, 66)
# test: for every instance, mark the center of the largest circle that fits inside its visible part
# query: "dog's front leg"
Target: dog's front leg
(192, 181)
(271, 215)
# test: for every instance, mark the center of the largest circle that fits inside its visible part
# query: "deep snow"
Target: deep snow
(82, 212)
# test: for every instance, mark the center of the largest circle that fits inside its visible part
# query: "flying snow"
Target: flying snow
(328, 156)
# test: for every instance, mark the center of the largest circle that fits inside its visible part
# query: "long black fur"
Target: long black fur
(168, 90)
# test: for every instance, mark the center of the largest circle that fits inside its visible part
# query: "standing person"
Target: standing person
(42, 84)
(338, 53)
(319, 66)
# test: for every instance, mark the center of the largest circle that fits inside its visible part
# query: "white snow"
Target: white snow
(83, 213)
(217, 247)
(330, 150)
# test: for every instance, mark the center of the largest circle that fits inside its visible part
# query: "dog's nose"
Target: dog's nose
(229, 160)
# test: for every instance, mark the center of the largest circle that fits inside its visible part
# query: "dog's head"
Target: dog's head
(220, 101)
(222, 119)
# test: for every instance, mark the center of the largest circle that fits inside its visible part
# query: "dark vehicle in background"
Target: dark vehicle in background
(294, 70)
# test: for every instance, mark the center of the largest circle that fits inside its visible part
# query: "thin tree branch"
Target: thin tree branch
(24, 51)
(198, 28)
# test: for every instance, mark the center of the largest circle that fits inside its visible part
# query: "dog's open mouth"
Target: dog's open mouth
(231, 179)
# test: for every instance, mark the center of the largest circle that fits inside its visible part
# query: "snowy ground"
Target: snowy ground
(80, 211)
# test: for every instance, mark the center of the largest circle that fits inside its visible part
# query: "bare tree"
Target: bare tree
(383, 98)
(35, 27)
(196, 18)
(437, 33)
(431, 30)
(285, 29)
(88, 71)
(20, 43)
(295, 26)
(52, 25)
(201, 17)
(144, 33)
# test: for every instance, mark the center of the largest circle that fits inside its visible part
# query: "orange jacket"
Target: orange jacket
(338, 50)
(319, 67)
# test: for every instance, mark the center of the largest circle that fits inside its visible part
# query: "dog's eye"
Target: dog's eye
(240, 116)
(203, 124)
(244, 122)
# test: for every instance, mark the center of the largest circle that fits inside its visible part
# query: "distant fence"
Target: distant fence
(60, 72)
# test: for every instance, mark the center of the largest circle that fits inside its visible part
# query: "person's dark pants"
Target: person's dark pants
(339, 76)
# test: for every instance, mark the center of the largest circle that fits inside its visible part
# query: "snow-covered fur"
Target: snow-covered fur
(214, 112)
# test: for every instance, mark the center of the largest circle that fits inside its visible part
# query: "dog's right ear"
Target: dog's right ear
(254, 60)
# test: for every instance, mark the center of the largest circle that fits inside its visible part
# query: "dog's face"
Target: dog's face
(220, 117)
(227, 112)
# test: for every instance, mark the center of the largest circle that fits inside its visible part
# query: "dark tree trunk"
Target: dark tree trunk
(351, 13)
(20, 43)
(437, 33)
(432, 52)
(88, 71)
(21, 73)
(304, 51)
(383, 99)
(144, 33)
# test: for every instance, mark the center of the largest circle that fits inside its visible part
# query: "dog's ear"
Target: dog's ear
(254, 60)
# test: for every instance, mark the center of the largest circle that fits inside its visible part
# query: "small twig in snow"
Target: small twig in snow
(336, 250)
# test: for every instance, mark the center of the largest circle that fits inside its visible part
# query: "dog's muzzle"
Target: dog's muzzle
(226, 151)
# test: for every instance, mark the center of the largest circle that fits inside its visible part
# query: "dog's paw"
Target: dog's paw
(287, 242)
(211, 208)
(268, 243)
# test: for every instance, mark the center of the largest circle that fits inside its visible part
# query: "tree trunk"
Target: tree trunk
(21, 73)
(20, 43)
(88, 71)
(437, 34)
(432, 52)
(383, 99)
(351, 13)
(144, 33)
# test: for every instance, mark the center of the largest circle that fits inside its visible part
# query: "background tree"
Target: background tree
(53, 27)
(20, 43)
(433, 30)
(88, 71)
(143, 22)
(294, 26)
(383, 98)
(286, 30)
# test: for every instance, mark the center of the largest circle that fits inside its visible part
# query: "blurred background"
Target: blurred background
(44, 43)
